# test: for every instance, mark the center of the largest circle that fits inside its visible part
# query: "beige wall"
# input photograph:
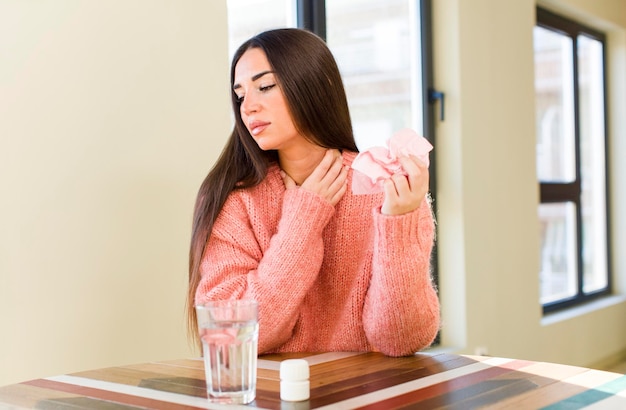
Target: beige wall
(489, 231)
(111, 113)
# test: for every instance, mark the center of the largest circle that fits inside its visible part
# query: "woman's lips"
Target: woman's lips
(257, 127)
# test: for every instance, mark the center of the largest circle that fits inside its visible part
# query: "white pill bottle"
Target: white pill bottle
(294, 380)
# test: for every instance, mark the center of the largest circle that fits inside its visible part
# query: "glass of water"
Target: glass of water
(229, 330)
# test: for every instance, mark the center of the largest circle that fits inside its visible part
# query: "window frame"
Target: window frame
(553, 192)
(311, 15)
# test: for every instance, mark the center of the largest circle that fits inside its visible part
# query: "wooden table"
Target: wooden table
(338, 381)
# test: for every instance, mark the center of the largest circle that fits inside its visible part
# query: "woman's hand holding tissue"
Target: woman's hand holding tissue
(405, 193)
(400, 171)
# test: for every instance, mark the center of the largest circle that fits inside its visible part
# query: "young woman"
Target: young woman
(275, 219)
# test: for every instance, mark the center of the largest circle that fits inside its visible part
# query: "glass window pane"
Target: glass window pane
(376, 44)
(249, 17)
(556, 155)
(592, 156)
(558, 276)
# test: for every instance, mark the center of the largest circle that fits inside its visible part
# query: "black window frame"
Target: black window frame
(552, 192)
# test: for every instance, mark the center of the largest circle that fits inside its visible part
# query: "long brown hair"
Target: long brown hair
(309, 78)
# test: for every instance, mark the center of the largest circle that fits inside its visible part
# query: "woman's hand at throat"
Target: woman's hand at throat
(328, 180)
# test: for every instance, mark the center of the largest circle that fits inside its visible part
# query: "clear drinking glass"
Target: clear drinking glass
(229, 331)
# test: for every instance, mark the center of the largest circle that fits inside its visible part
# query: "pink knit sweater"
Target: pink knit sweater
(342, 278)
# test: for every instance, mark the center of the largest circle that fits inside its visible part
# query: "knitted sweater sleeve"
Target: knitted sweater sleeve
(401, 311)
(277, 274)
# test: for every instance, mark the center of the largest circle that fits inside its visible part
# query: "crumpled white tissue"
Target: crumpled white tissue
(376, 164)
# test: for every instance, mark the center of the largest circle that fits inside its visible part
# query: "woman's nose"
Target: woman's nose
(249, 105)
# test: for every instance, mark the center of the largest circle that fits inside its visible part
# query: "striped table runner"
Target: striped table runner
(338, 381)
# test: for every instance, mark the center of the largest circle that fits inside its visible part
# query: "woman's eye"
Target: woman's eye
(240, 99)
(267, 87)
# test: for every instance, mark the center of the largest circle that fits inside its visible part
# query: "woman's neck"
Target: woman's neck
(299, 163)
